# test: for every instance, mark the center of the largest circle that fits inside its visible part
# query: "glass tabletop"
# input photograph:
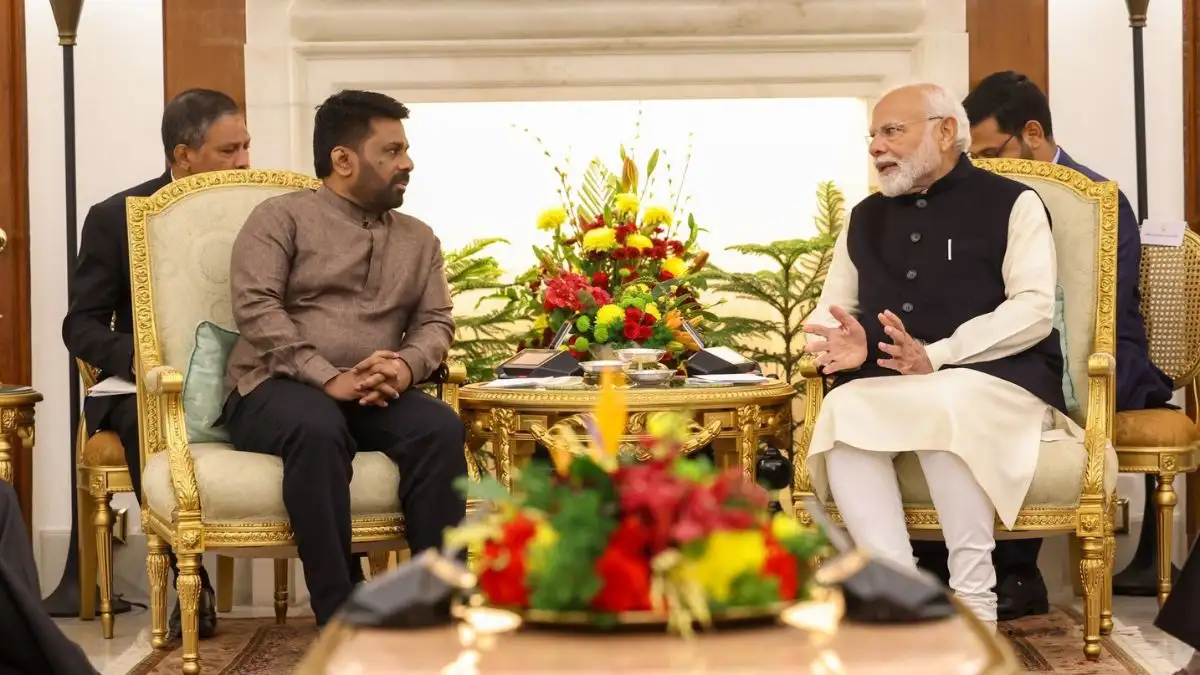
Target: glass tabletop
(576, 383)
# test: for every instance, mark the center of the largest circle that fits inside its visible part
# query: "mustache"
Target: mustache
(401, 178)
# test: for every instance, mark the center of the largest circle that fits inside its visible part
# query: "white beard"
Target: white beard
(907, 172)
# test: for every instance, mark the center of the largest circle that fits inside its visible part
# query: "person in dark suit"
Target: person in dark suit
(1010, 117)
(33, 644)
(202, 130)
(1179, 616)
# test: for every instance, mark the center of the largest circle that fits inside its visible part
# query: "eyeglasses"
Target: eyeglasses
(894, 130)
(992, 153)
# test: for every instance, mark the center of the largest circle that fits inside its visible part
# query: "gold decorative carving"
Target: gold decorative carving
(635, 429)
(504, 425)
(749, 418)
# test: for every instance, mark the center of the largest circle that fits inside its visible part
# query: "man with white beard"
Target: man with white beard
(937, 318)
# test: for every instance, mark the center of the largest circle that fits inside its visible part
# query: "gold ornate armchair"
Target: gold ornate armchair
(207, 496)
(1163, 442)
(1073, 487)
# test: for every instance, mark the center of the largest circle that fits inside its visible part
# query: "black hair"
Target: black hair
(1012, 99)
(188, 116)
(344, 119)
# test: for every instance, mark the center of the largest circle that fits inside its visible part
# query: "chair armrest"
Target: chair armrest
(814, 395)
(1102, 375)
(164, 428)
(446, 379)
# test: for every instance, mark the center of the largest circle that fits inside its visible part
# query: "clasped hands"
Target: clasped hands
(377, 379)
(844, 347)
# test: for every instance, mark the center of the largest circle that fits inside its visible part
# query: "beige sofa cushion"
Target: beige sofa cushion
(248, 486)
(1057, 481)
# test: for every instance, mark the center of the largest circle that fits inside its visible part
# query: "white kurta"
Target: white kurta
(993, 425)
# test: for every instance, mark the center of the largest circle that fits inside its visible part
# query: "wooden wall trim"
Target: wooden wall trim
(1191, 114)
(16, 354)
(204, 45)
(1009, 35)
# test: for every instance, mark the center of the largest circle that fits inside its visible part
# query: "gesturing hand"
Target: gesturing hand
(843, 347)
(908, 354)
(383, 375)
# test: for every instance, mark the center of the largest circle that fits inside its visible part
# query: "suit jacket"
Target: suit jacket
(1140, 384)
(98, 327)
(33, 644)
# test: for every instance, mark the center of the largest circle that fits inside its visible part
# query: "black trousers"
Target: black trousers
(317, 438)
(123, 419)
(1011, 557)
(1180, 614)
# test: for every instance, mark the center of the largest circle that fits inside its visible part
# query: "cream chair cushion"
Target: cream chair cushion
(1057, 480)
(248, 486)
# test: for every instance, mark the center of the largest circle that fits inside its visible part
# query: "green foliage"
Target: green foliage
(568, 579)
(791, 288)
(483, 338)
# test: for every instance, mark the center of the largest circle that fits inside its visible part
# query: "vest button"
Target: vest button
(921, 203)
(914, 237)
(910, 275)
(907, 307)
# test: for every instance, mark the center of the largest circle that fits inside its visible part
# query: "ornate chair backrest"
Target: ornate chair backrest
(1083, 215)
(1170, 285)
(179, 246)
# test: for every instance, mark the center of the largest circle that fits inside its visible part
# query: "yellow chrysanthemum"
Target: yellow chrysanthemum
(784, 526)
(544, 539)
(727, 555)
(626, 203)
(609, 314)
(668, 426)
(541, 323)
(600, 239)
(552, 219)
(639, 241)
(653, 310)
(657, 215)
(675, 266)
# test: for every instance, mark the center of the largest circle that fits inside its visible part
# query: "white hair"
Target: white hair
(941, 102)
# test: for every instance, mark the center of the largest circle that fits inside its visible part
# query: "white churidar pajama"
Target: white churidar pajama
(976, 436)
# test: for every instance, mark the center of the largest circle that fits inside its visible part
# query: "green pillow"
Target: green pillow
(1060, 324)
(204, 386)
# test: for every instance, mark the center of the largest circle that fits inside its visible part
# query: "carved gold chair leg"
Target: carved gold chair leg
(224, 583)
(87, 557)
(378, 561)
(1110, 550)
(156, 570)
(188, 588)
(281, 590)
(1165, 500)
(102, 519)
(1091, 571)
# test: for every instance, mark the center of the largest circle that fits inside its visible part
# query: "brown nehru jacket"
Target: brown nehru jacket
(318, 285)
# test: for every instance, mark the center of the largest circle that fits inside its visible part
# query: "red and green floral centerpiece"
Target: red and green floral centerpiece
(610, 542)
(619, 271)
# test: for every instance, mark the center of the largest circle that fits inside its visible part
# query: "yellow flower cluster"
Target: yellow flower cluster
(676, 267)
(626, 204)
(600, 239)
(656, 216)
(544, 539)
(728, 555)
(552, 219)
(609, 314)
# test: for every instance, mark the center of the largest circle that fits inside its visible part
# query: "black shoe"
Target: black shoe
(207, 620)
(1020, 595)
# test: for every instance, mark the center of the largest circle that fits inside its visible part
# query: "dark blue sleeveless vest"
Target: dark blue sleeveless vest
(899, 247)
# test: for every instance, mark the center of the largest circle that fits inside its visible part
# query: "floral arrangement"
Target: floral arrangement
(618, 271)
(605, 536)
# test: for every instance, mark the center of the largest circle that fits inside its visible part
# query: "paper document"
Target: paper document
(526, 382)
(1163, 232)
(113, 386)
(741, 378)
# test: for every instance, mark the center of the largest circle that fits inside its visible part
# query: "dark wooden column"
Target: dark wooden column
(1009, 35)
(16, 364)
(204, 45)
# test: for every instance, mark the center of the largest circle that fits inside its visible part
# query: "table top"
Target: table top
(958, 645)
(689, 395)
(18, 395)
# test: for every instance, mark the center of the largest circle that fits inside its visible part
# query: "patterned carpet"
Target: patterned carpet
(1043, 644)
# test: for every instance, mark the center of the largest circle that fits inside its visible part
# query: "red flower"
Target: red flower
(665, 276)
(781, 565)
(502, 579)
(633, 314)
(624, 569)
(648, 319)
(653, 494)
(601, 296)
(600, 279)
(632, 330)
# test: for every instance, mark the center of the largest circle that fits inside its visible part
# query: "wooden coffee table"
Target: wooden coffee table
(959, 646)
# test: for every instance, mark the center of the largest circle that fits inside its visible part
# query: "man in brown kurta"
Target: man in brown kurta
(342, 305)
